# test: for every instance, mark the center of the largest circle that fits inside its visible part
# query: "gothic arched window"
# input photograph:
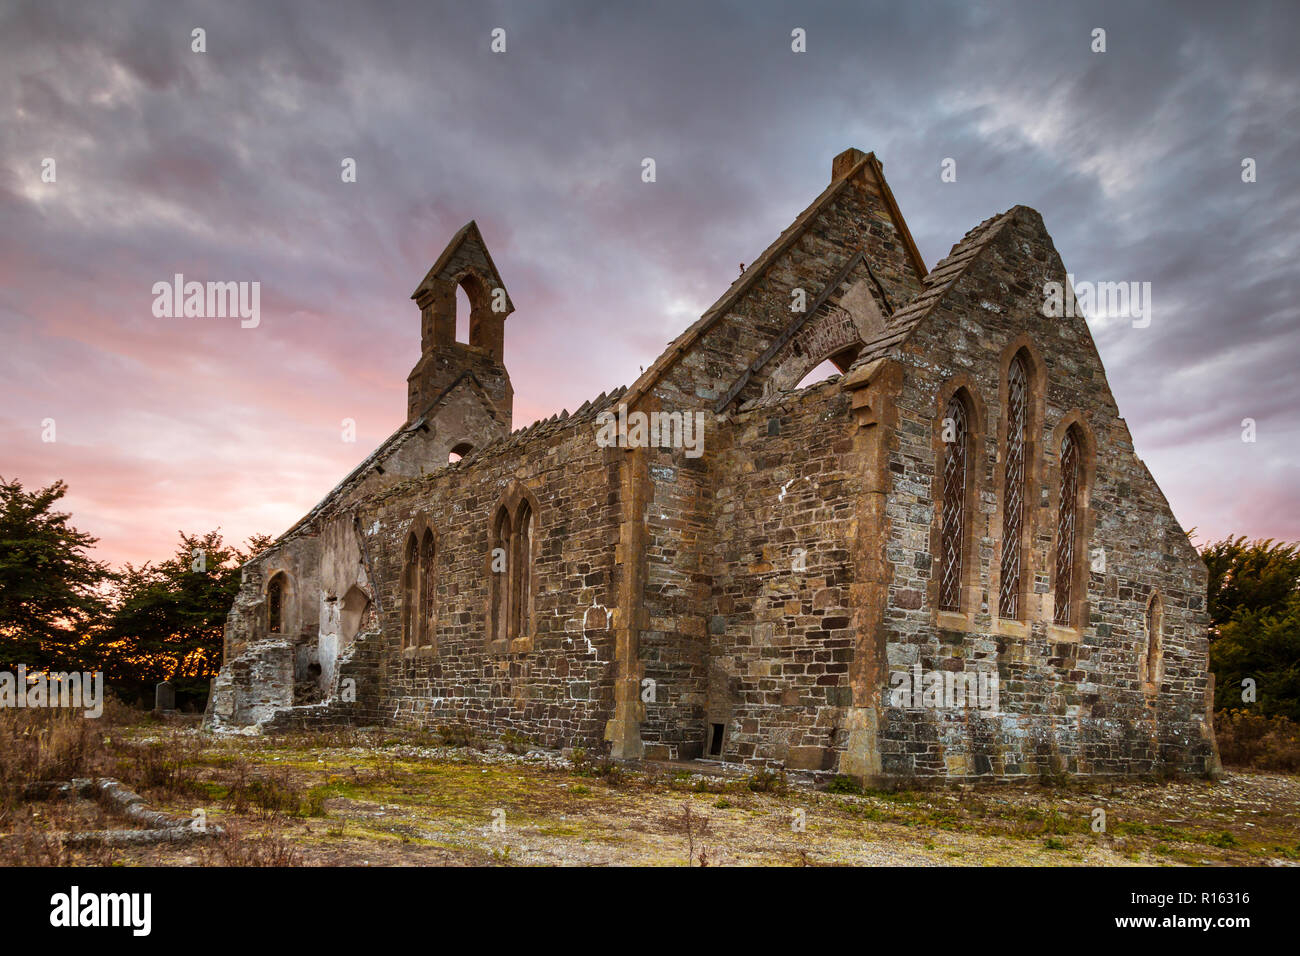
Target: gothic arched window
(512, 560)
(410, 591)
(953, 518)
(521, 578)
(1067, 530)
(1013, 488)
(428, 606)
(275, 603)
(500, 568)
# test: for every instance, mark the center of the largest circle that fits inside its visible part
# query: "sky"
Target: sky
(225, 165)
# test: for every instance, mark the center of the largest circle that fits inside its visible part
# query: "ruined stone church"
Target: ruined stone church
(961, 505)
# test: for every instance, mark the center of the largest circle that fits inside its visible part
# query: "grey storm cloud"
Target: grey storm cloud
(226, 165)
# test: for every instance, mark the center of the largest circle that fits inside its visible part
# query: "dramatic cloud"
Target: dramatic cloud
(225, 165)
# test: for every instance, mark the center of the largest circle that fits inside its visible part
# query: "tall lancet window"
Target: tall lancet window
(521, 573)
(410, 592)
(513, 553)
(952, 521)
(1013, 489)
(502, 565)
(275, 604)
(1067, 517)
(428, 597)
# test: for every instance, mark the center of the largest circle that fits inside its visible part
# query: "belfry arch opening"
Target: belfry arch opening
(459, 451)
(463, 309)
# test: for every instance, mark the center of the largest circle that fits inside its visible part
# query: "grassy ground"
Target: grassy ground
(382, 797)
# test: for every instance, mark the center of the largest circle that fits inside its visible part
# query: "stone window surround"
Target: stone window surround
(439, 319)
(511, 504)
(287, 594)
(1036, 372)
(964, 619)
(1084, 520)
(1149, 655)
(419, 636)
(977, 419)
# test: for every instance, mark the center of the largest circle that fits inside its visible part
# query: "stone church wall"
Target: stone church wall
(554, 688)
(1071, 698)
(780, 628)
(754, 603)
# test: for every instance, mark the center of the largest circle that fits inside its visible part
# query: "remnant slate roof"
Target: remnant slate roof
(935, 286)
(587, 411)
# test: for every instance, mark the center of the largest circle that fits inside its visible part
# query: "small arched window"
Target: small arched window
(521, 579)
(1067, 527)
(1152, 659)
(953, 518)
(459, 452)
(500, 566)
(275, 594)
(511, 564)
(428, 596)
(410, 592)
(1013, 488)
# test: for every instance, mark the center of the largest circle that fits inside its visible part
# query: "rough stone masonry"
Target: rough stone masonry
(963, 500)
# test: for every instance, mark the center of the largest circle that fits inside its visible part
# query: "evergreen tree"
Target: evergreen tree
(51, 591)
(168, 619)
(1254, 607)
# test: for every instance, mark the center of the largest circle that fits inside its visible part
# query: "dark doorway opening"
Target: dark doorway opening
(715, 739)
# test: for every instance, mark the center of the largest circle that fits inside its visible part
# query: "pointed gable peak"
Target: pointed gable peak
(848, 162)
(867, 171)
(943, 278)
(465, 255)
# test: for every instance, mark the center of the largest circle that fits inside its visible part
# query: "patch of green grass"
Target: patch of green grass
(313, 802)
(768, 781)
(1130, 828)
(583, 765)
(869, 812)
(895, 796)
(842, 784)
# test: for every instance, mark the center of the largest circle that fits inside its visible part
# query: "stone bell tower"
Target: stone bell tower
(462, 386)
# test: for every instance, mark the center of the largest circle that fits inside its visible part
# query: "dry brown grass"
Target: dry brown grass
(45, 744)
(1260, 743)
(354, 798)
(239, 848)
(55, 745)
(161, 769)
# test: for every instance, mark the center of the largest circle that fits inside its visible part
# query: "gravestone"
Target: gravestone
(164, 699)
